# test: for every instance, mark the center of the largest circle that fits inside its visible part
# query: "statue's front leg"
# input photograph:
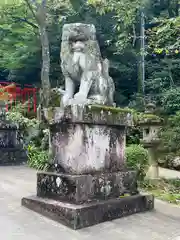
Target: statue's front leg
(85, 85)
(69, 90)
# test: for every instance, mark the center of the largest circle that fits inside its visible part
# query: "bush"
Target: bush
(171, 100)
(34, 136)
(37, 158)
(133, 135)
(28, 127)
(164, 189)
(170, 141)
(137, 159)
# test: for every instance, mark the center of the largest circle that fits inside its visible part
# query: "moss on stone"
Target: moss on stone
(55, 98)
(149, 118)
(113, 110)
(102, 112)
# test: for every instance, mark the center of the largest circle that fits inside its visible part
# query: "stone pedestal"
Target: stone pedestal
(85, 215)
(87, 145)
(87, 187)
(88, 182)
(153, 171)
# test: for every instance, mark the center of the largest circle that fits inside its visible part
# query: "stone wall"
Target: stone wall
(11, 149)
(12, 156)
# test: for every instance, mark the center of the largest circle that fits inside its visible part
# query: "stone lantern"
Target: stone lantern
(151, 125)
(11, 150)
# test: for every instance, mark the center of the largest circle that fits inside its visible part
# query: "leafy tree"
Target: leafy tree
(18, 35)
(118, 30)
(61, 13)
(170, 135)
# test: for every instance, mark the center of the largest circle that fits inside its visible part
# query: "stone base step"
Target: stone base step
(77, 216)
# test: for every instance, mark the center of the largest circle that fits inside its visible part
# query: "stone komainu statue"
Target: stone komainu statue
(83, 67)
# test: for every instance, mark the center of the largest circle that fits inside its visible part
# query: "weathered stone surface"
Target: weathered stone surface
(8, 130)
(12, 156)
(84, 215)
(82, 148)
(151, 125)
(86, 140)
(90, 114)
(81, 63)
(86, 188)
(8, 137)
(176, 163)
(11, 151)
(89, 176)
(19, 223)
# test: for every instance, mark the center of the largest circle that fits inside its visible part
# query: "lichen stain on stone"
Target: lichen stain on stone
(84, 148)
(82, 113)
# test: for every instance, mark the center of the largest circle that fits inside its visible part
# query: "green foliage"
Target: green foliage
(170, 136)
(124, 22)
(167, 190)
(137, 159)
(171, 100)
(35, 137)
(21, 54)
(165, 37)
(162, 65)
(113, 110)
(137, 102)
(118, 30)
(18, 36)
(37, 158)
(28, 127)
(133, 135)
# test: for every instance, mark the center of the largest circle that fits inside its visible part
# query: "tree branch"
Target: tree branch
(35, 3)
(31, 9)
(25, 20)
(134, 35)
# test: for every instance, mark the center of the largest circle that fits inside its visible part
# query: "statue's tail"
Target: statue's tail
(105, 68)
(110, 83)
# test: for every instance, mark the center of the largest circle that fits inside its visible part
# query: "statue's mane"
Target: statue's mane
(79, 32)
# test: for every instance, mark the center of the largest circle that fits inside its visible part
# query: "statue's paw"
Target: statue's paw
(65, 99)
(79, 97)
(61, 91)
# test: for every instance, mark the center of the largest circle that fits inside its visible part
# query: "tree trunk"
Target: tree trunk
(45, 67)
(40, 15)
(45, 56)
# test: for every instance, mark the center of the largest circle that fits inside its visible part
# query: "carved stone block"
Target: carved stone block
(12, 156)
(85, 188)
(87, 141)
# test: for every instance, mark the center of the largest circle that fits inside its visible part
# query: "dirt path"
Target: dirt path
(167, 173)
